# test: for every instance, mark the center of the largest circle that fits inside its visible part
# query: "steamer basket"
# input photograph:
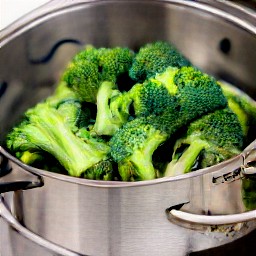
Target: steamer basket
(166, 216)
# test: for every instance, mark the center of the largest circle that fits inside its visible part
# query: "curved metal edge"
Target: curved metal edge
(213, 220)
(56, 249)
(221, 168)
(241, 15)
(16, 177)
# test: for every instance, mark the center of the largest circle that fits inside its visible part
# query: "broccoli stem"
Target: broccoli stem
(30, 157)
(105, 122)
(49, 133)
(188, 158)
(142, 158)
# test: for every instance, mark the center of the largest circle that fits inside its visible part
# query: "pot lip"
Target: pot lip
(229, 165)
(228, 11)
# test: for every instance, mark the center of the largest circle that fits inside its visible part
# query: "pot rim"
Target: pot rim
(243, 17)
(228, 166)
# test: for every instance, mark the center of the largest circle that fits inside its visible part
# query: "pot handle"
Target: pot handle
(14, 224)
(212, 220)
(248, 168)
(15, 175)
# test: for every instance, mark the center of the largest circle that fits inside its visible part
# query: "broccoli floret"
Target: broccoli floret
(154, 58)
(102, 170)
(75, 113)
(213, 138)
(92, 66)
(44, 129)
(187, 91)
(243, 106)
(133, 145)
(112, 109)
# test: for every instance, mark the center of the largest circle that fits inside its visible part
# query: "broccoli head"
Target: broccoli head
(154, 58)
(133, 145)
(102, 170)
(209, 140)
(92, 66)
(186, 91)
(243, 106)
(44, 130)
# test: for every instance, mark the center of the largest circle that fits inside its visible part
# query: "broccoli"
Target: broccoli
(133, 145)
(75, 113)
(243, 106)
(102, 170)
(209, 140)
(154, 58)
(163, 105)
(187, 91)
(92, 66)
(44, 129)
(114, 114)
(112, 109)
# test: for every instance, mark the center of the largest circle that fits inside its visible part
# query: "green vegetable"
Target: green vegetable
(45, 129)
(209, 140)
(132, 147)
(102, 170)
(120, 115)
(92, 66)
(243, 106)
(154, 58)
(187, 91)
(163, 105)
(112, 109)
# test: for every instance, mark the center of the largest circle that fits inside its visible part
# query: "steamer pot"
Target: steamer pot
(167, 216)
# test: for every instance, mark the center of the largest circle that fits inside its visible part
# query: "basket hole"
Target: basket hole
(3, 87)
(225, 45)
(49, 55)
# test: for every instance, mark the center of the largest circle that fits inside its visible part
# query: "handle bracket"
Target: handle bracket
(14, 176)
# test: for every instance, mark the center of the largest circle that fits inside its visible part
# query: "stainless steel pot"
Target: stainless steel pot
(167, 216)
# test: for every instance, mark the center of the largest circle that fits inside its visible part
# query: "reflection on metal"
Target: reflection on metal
(47, 246)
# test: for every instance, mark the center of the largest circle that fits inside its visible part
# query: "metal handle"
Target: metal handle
(13, 223)
(16, 176)
(248, 168)
(213, 220)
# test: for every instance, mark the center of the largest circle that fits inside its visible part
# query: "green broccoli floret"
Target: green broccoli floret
(44, 129)
(102, 170)
(163, 105)
(133, 145)
(213, 138)
(187, 91)
(112, 109)
(68, 104)
(243, 106)
(154, 58)
(92, 66)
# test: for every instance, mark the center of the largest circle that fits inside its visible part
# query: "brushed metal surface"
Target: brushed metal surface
(120, 219)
